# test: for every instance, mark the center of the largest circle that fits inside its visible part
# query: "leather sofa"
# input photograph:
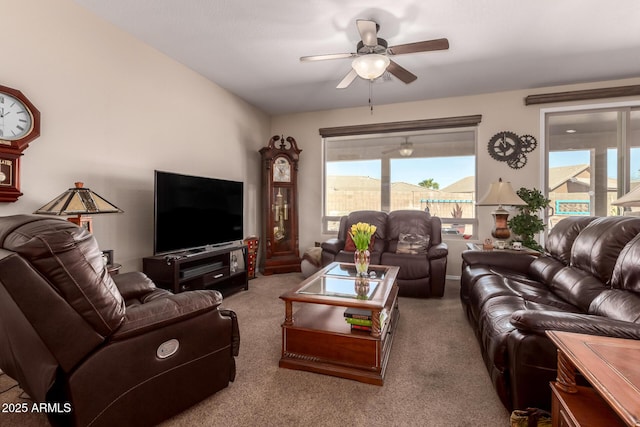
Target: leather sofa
(106, 351)
(421, 274)
(587, 281)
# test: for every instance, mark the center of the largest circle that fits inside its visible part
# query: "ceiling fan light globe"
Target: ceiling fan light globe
(405, 151)
(370, 66)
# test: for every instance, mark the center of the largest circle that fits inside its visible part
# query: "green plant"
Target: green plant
(527, 223)
(429, 183)
(457, 211)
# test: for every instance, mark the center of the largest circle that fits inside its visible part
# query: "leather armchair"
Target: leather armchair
(421, 274)
(116, 351)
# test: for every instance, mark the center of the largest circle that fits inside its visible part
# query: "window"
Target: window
(593, 158)
(430, 170)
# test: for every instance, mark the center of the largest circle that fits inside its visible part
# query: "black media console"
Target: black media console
(223, 268)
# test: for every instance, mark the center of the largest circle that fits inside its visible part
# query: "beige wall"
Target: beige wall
(500, 111)
(113, 110)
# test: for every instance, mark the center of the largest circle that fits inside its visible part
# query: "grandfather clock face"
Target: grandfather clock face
(281, 170)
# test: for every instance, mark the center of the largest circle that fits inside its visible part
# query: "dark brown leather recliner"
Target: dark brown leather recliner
(109, 351)
(421, 274)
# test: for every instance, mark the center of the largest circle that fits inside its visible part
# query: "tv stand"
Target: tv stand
(207, 269)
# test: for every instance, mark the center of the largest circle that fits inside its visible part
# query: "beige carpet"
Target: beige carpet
(435, 376)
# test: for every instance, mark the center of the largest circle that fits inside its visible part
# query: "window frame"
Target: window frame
(467, 124)
(545, 113)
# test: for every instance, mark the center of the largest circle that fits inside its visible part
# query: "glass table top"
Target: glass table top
(349, 270)
(343, 287)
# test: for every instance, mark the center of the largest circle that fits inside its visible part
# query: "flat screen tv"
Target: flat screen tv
(192, 213)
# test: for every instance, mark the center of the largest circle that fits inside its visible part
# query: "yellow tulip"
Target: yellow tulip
(361, 234)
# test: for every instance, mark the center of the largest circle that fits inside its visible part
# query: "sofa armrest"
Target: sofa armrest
(133, 284)
(441, 250)
(333, 245)
(538, 322)
(507, 260)
(235, 330)
(166, 310)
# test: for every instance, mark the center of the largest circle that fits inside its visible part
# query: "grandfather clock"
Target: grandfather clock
(280, 205)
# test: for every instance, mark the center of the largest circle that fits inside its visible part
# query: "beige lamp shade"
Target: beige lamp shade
(501, 193)
(631, 199)
(78, 201)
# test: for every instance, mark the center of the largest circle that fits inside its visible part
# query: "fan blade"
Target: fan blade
(401, 73)
(368, 32)
(329, 56)
(348, 79)
(390, 151)
(426, 46)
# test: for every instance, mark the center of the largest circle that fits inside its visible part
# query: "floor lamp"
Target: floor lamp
(501, 193)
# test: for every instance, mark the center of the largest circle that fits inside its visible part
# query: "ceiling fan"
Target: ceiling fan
(405, 149)
(371, 58)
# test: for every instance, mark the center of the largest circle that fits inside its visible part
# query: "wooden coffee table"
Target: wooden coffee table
(316, 337)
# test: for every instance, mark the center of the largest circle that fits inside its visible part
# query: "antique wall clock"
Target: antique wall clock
(19, 125)
(280, 206)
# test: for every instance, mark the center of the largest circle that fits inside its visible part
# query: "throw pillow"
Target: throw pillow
(413, 244)
(350, 245)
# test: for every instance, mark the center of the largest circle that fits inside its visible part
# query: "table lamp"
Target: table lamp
(79, 201)
(629, 200)
(501, 193)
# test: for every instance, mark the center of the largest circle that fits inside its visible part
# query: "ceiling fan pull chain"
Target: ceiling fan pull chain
(371, 95)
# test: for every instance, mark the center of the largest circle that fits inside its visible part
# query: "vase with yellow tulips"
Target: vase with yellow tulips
(361, 234)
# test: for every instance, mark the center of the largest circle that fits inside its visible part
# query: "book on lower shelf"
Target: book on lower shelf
(359, 322)
(361, 328)
(357, 313)
(362, 317)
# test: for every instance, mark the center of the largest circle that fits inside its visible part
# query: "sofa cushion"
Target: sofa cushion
(489, 287)
(617, 304)
(412, 244)
(561, 237)
(576, 287)
(411, 266)
(408, 222)
(626, 272)
(544, 268)
(597, 247)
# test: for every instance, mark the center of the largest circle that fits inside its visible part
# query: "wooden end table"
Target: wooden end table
(317, 338)
(611, 367)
